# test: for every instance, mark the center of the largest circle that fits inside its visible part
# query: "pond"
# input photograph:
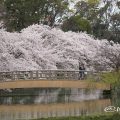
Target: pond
(51, 102)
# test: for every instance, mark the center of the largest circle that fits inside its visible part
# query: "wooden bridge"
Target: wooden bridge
(51, 79)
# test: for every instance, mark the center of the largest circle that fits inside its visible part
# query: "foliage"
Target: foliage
(103, 19)
(107, 23)
(22, 13)
(115, 28)
(112, 54)
(87, 9)
(41, 47)
(76, 23)
(111, 77)
(100, 18)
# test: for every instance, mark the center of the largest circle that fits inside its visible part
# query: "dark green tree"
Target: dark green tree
(22, 13)
(115, 27)
(76, 23)
(87, 9)
(104, 20)
(2, 10)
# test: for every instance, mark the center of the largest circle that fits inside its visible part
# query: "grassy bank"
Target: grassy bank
(112, 77)
(101, 117)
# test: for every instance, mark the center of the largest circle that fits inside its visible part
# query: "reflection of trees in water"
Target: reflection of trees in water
(116, 97)
(85, 94)
(64, 95)
(29, 96)
(17, 100)
(48, 95)
(13, 112)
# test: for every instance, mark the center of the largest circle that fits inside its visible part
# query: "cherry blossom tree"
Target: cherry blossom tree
(41, 47)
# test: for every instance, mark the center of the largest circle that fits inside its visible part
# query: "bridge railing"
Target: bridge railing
(44, 74)
(47, 74)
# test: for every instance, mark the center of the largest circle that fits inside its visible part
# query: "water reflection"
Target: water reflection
(36, 96)
(38, 103)
(116, 97)
(13, 112)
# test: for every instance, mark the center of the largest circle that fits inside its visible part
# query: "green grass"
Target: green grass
(112, 78)
(99, 117)
(106, 77)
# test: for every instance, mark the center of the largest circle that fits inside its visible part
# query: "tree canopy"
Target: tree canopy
(22, 13)
(100, 18)
(76, 23)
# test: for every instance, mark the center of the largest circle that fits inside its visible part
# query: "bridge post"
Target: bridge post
(37, 75)
(31, 74)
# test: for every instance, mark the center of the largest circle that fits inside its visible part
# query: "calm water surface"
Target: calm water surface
(38, 103)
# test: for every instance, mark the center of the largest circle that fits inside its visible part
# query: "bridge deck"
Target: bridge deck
(53, 84)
